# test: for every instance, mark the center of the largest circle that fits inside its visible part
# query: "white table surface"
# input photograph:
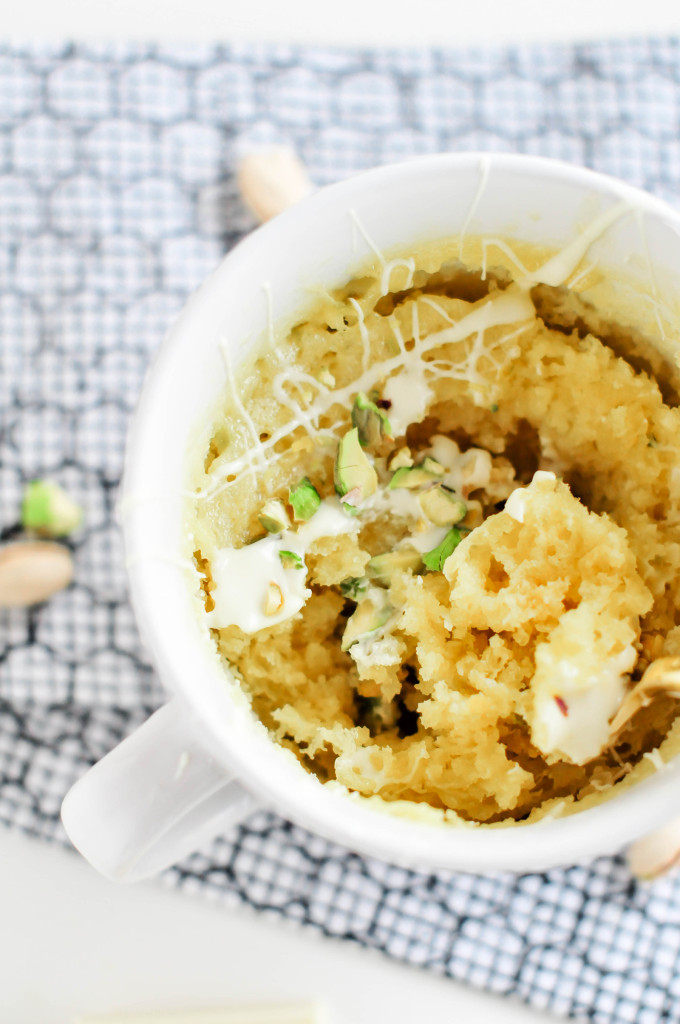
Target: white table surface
(71, 943)
(352, 22)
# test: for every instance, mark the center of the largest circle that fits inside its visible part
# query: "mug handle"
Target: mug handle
(152, 800)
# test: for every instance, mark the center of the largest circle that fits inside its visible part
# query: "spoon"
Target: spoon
(662, 677)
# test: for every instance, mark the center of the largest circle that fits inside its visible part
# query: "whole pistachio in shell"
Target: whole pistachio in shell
(32, 571)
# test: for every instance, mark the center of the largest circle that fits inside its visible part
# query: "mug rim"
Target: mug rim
(240, 742)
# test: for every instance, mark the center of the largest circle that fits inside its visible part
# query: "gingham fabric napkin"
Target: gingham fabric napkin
(116, 197)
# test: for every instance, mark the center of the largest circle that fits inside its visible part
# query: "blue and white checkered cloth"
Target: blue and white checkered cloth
(117, 196)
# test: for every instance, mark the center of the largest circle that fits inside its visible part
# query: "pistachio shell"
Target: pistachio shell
(32, 571)
(272, 180)
(655, 854)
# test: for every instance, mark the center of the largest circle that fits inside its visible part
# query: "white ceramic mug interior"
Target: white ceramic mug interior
(269, 273)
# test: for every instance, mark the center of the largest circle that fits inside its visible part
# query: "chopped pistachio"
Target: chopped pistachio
(383, 566)
(355, 477)
(431, 466)
(441, 506)
(400, 459)
(47, 509)
(274, 517)
(371, 422)
(291, 560)
(376, 714)
(305, 500)
(273, 601)
(435, 559)
(353, 587)
(412, 477)
(367, 618)
(494, 407)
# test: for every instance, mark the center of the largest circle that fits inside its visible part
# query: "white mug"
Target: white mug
(203, 761)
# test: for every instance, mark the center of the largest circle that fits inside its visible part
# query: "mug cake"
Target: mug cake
(436, 531)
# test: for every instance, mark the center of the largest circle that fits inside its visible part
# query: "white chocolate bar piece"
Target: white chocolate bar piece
(298, 1013)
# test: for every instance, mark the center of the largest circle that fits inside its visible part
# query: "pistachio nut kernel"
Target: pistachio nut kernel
(431, 466)
(371, 422)
(354, 587)
(291, 560)
(304, 499)
(435, 559)
(354, 474)
(412, 477)
(383, 567)
(367, 618)
(48, 510)
(441, 506)
(400, 459)
(274, 517)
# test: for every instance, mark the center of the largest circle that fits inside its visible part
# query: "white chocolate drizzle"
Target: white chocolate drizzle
(363, 333)
(650, 272)
(359, 229)
(562, 265)
(484, 171)
(407, 374)
(408, 264)
(505, 308)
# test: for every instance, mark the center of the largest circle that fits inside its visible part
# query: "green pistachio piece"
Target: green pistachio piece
(47, 509)
(431, 466)
(367, 618)
(412, 477)
(274, 517)
(291, 560)
(397, 460)
(441, 506)
(305, 500)
(376, 714)
(371, 422)
(353, 587)
(435, 559)
(384, 566)
(355, 477)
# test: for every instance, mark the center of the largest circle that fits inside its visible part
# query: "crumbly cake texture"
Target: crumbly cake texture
(444, 710)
